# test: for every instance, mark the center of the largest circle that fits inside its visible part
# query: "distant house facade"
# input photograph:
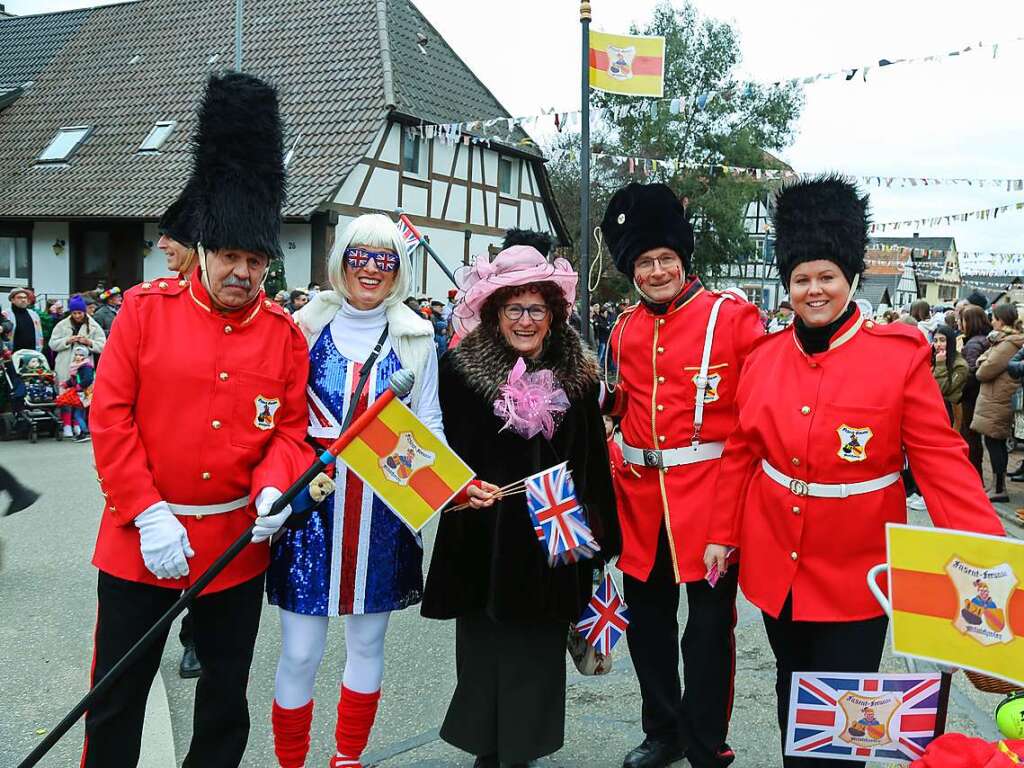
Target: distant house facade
(757, 276)
(95, 121)
(935, 265)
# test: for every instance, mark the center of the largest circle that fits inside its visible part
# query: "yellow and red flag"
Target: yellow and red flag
(405, 463)
(958, 598)
(630, 65)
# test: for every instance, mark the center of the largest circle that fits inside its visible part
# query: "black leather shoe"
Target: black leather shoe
(190, 666)
(23, 499)
(486, 761)
(654, 753)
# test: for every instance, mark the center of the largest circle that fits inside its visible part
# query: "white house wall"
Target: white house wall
(296, 245)
(154, 261)
(51, 274)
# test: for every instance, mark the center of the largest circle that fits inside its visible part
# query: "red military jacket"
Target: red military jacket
(845, 415)
(658, 357)
(174, 418)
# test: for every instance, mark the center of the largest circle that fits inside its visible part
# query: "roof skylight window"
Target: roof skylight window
(157, 136)
(64, 144)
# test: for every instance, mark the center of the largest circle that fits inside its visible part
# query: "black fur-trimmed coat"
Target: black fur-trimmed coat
(489, 561)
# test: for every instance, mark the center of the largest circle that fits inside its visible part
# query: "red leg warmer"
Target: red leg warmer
(291, 733)
(356, 713)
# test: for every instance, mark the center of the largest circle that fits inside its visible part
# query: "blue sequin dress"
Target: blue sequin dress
(355, 555)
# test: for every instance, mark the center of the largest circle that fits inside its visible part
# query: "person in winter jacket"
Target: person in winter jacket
(993, 413)
(950, 371)
(74, 330)
(975, 327)
(76, 394)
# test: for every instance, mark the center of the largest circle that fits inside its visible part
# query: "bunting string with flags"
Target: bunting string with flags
(985, 214)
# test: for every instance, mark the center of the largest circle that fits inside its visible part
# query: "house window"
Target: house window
(410, 153)
(157, 136)
(506, 169)
(64, 144)
(14, 252)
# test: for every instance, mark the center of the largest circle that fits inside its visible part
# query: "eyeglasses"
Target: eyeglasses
(357, 258)
(513, 312)
(647, 265)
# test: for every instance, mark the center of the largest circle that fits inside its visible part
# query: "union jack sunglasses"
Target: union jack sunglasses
(357, 258)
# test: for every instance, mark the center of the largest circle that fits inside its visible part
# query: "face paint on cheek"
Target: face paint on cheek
(676, 272)
(641, 281)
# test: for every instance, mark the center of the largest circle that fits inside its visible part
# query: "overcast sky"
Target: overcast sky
(961, 118)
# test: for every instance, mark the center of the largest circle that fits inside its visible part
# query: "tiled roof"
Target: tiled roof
(873, 287)
(922, 243)
(27, 43)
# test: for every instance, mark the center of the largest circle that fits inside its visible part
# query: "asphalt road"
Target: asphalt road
(47, 608)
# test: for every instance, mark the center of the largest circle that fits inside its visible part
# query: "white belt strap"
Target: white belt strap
(702, 375)
(671, 457)
(828, 490)
(197, 510)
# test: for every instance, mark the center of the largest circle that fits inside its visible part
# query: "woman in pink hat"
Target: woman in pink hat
(518, 396)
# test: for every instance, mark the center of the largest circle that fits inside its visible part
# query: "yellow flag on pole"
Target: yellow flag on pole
(405, 463)
(630, 65)
(958, 598)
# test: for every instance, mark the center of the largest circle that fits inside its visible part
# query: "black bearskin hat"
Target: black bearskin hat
(238, 166)
(178, 221)
(641, 217)
(540, 240)
(820, 218)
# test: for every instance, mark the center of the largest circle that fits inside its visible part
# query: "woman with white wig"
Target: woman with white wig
(354, 557)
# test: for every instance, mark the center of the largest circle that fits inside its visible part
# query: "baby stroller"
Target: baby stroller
(32, 386)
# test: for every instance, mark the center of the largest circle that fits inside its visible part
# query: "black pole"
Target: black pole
(165, 621)
(585, 175)
(945, 683)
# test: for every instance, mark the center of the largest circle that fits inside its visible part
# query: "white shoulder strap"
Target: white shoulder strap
(702, 375)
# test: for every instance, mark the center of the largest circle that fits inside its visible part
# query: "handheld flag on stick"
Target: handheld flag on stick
(558, 517)
(605, 618)
(630, 65)
(958, 598)
(888, 718)
(406, 464)
(413, 238)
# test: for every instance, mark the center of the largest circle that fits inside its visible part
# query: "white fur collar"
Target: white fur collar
(318, 313)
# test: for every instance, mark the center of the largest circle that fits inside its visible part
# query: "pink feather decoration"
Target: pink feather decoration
(531, 402)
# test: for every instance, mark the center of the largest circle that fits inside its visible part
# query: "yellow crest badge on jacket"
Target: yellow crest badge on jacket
(853, 442)
(711, 393)
(266, 407)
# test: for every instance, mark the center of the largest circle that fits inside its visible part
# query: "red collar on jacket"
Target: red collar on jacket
(243, 315)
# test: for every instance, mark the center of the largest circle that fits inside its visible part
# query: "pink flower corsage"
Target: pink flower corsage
(531, 402)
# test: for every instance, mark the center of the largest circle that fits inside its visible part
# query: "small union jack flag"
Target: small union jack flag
(409, 235)
(558, 517)
(605, 618)
(888, 718)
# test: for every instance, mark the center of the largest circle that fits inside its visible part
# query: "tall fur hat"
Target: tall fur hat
(641, 217)
(238, 177)
(178, 221)
(539, 240)
(820, 218)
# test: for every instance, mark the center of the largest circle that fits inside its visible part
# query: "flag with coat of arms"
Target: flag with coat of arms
(887, 718)
(605, 618)
(558, 518)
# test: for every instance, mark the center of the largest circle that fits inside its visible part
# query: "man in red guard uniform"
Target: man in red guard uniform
(185, 455)
(678, 352)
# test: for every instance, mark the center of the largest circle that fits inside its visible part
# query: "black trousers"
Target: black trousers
(696, 713)
(820, 646)
(225, 624)
(999, 457)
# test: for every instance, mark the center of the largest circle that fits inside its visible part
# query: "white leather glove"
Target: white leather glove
(267, 524)
(163, 542)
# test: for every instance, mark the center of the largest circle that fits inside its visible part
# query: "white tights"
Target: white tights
(303, 639)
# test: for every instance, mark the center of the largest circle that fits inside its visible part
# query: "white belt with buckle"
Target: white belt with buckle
(828, 490)
(199, 510)
(670, 457)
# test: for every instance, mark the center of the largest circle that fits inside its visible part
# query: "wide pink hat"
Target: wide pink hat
(517, 265)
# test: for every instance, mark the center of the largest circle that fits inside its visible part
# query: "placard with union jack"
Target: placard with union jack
(409, 235)
(605, 618)
(558, 518)
(887, 718)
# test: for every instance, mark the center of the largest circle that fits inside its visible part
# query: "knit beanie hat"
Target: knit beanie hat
(76, 304)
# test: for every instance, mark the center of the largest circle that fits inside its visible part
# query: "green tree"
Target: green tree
(276, 280)
(721, 122)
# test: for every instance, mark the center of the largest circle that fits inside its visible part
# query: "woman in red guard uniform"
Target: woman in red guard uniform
(811, 475)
